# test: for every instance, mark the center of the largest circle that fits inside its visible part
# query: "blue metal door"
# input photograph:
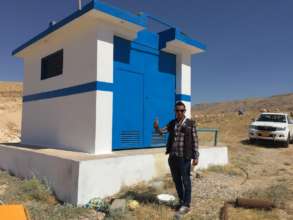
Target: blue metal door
(144, 88)
(127, 100)
(160, 93)
(128, 113)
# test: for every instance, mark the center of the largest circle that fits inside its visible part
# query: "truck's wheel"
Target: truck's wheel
(287, 143)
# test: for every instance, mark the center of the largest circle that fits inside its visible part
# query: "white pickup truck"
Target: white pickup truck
(272, 126)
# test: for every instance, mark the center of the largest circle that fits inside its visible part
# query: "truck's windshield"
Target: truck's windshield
(272, 118)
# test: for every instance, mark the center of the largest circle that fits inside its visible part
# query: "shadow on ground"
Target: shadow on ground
(263, 143)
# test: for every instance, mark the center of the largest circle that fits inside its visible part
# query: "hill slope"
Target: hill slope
(10, 111)
(273, 103)
(232, 127)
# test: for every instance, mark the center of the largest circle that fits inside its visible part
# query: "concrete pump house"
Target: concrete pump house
(94, 83)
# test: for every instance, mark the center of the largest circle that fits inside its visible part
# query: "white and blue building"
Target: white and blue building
(95, 81)
(93, 84)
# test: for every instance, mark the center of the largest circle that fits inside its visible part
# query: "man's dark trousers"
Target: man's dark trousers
(180, 170)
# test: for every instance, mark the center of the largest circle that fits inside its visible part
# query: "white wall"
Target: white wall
(104, 99)
(79, 64)
(59, 173)
(96, 174)
(105, 53)
(63, 122)
(76, 177)
(68, 121)
(183, 78)
(103, 122)
(113, 173)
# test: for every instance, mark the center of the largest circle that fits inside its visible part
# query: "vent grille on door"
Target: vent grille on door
(158, 140)
(130, 137)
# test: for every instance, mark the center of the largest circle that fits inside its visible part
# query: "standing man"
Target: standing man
(182, 147)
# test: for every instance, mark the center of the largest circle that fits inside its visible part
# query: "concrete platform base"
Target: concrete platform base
(78, 177)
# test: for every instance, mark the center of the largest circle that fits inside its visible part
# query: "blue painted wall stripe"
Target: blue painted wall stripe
(120, 13)
(88, 87)
(182, 97)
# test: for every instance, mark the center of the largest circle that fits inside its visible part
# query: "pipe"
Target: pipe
(79, 5)
(224, 211)
(254, 204)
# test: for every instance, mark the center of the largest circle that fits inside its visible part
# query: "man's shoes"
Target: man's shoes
(178, 206)
(184, 210)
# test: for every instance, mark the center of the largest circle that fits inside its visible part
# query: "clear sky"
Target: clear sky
(250, 42)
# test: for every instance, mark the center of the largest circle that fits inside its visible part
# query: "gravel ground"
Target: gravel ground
(262, 170)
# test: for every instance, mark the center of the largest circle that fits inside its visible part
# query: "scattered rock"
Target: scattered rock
(3, 189)
(132, 205)
(98, 204)
(287, 163)
(118, 204)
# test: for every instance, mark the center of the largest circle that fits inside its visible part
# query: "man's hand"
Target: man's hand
(194, 162)
(156, 124)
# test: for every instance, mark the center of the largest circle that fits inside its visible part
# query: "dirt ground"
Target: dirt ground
(263, 170)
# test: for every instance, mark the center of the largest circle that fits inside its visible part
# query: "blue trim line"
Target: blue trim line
(88, 87)
(119, 13)
(55, 27)
(95, 4)
(175, 34)
(156, 19)
(182, 97)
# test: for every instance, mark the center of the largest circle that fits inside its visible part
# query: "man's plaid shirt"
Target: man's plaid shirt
(178, 144)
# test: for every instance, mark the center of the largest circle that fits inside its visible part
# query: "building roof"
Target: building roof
(174, 34)
(93, 5)
(139, 20)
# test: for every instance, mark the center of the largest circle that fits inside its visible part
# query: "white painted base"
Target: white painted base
(78, 177)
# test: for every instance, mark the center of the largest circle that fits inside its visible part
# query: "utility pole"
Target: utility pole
(79, 5)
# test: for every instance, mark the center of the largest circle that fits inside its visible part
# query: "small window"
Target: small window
(52, 65)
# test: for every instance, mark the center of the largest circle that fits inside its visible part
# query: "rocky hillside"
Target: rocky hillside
(10, 111)
(232, 127)
(274, 103)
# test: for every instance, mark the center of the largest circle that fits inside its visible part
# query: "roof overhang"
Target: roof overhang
(127, 23)
(174, 41)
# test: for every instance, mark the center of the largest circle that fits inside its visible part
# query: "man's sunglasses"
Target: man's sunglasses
(180, 110)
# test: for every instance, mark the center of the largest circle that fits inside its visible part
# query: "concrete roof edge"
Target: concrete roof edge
(93, 5)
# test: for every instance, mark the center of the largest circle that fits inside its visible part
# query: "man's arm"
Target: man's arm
(162, 130)
(195, 152)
